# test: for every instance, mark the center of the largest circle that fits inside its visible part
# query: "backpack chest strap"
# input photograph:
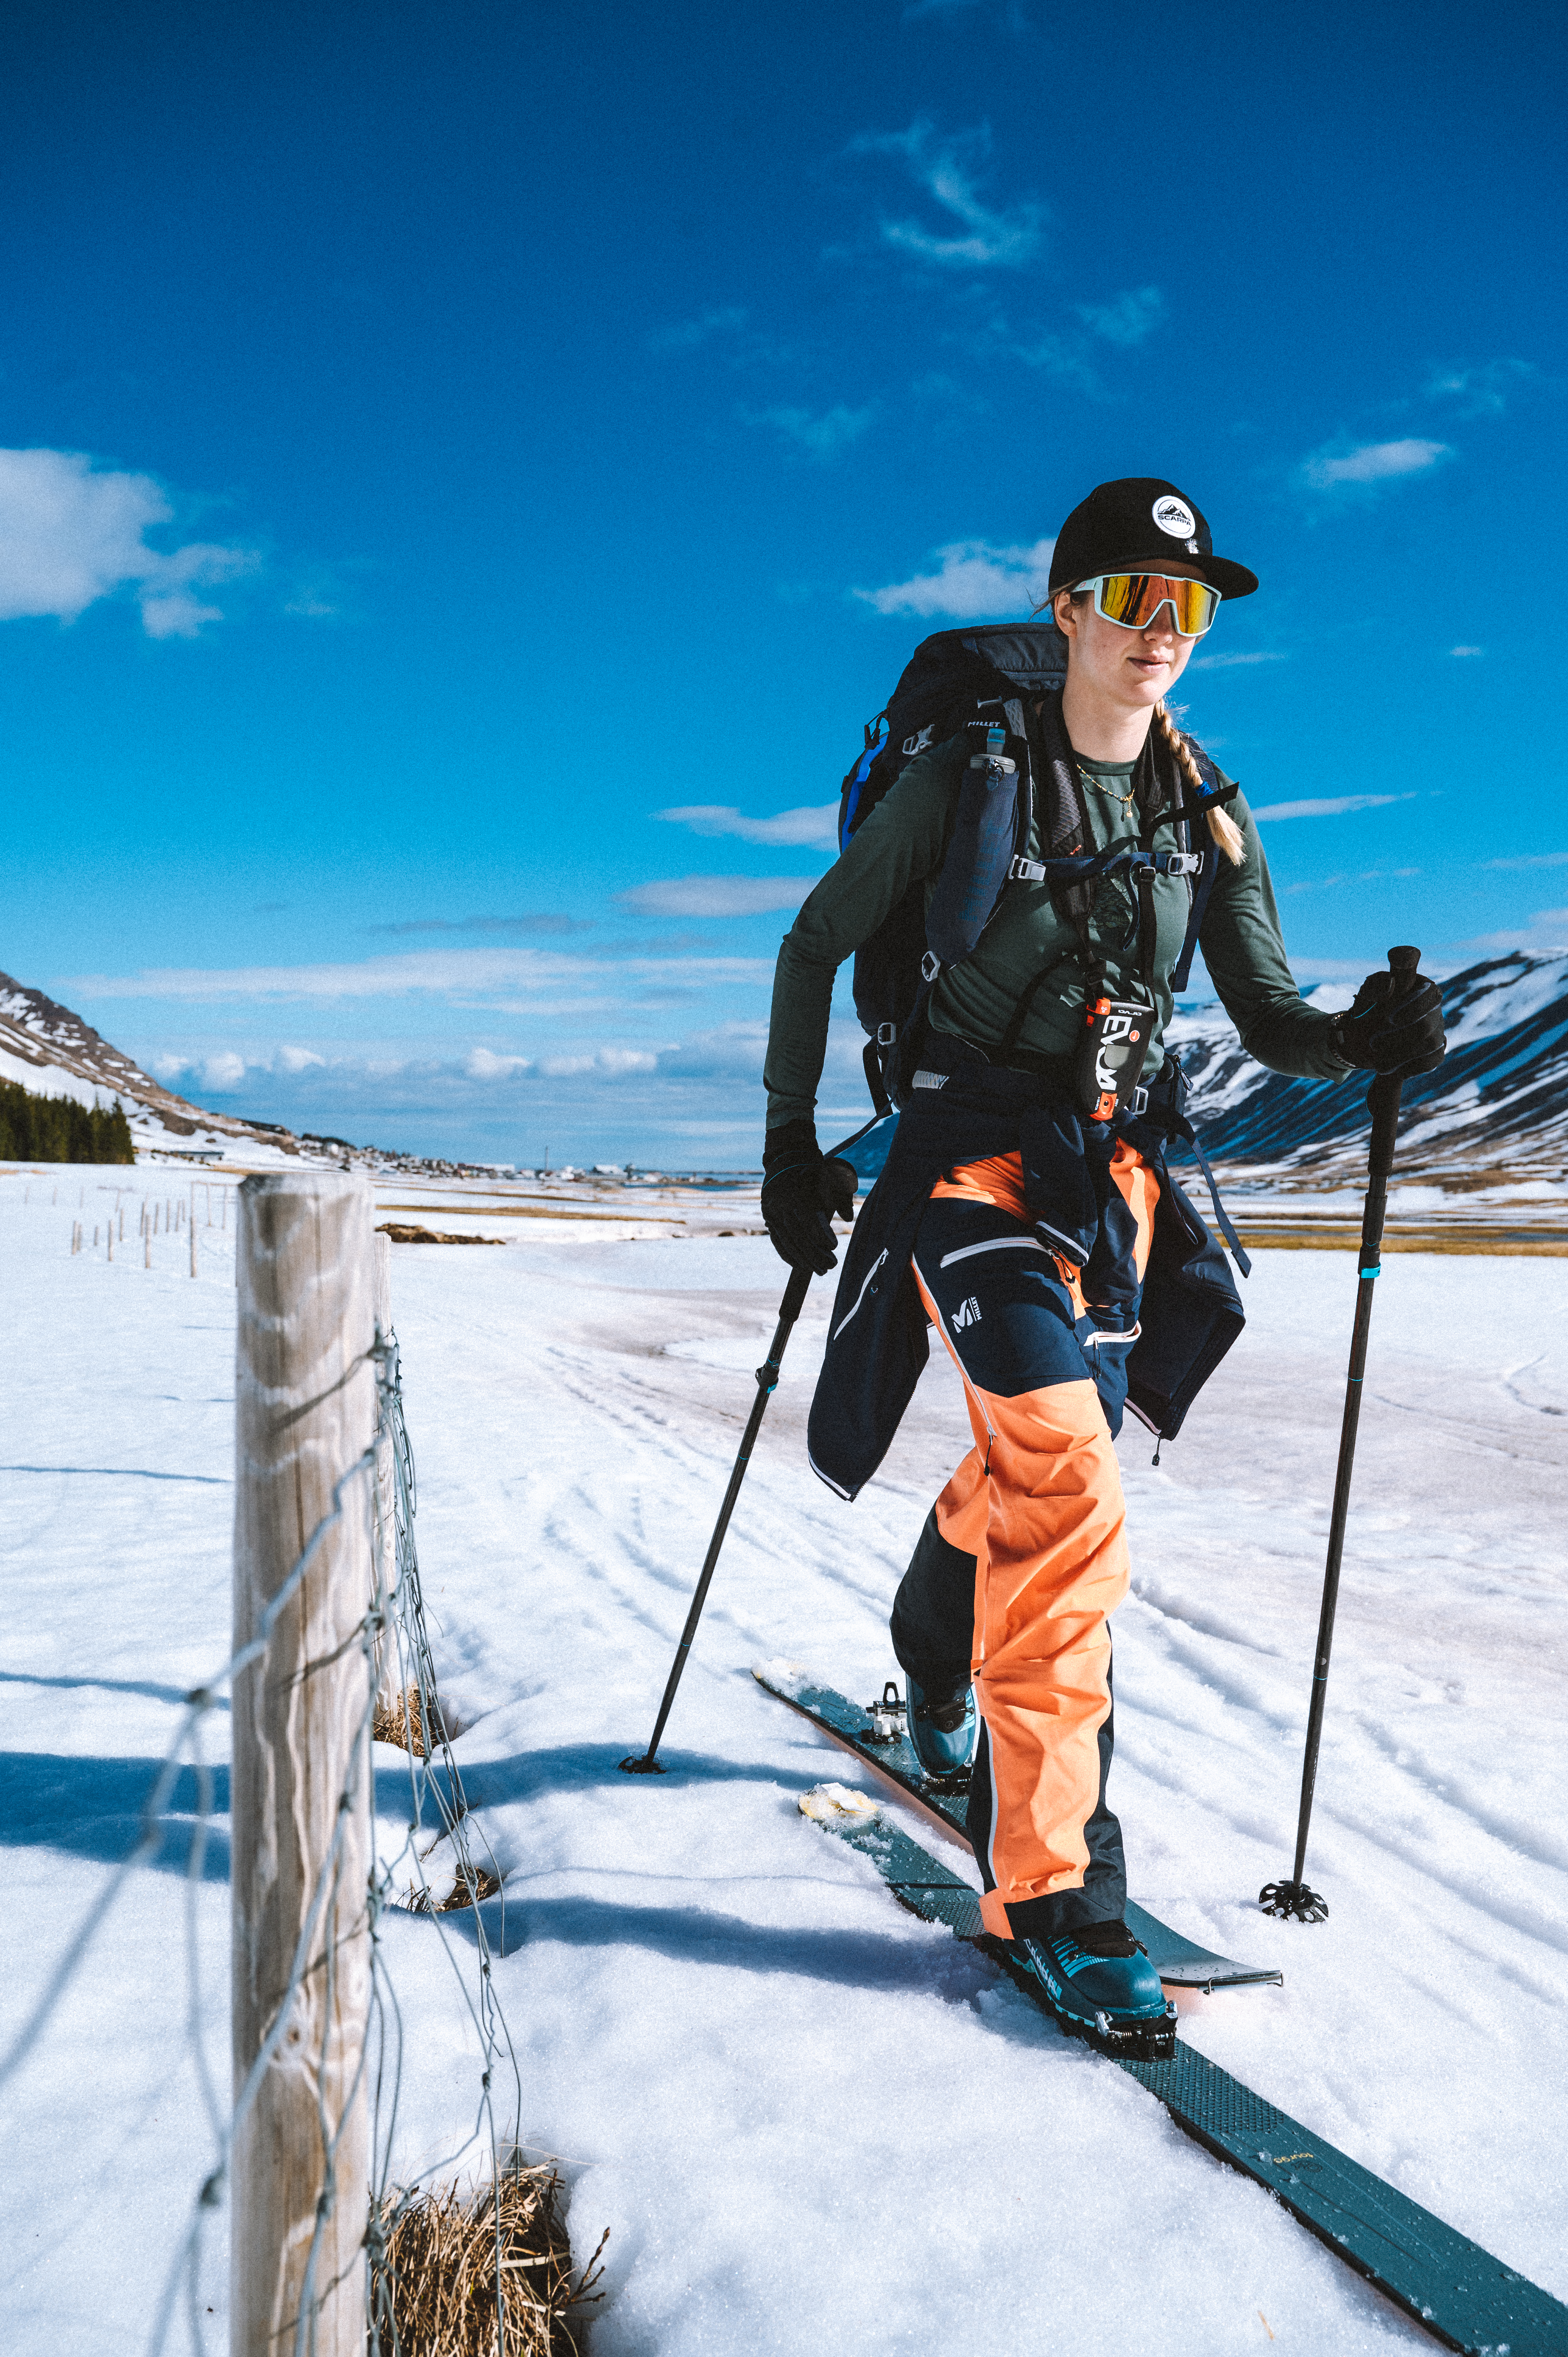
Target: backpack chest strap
(1090, 868)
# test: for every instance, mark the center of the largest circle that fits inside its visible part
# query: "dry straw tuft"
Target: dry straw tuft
(434, 2285)
(403, 1722)
(472, 1886)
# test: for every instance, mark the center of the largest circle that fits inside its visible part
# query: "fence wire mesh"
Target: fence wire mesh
(392, 1639)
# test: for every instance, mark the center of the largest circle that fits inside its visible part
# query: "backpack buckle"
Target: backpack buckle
(1025, 871)
(931, 966)
(886, 1034)
(1140, 1102)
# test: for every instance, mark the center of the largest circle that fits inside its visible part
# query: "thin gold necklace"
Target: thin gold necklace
(1101, 787)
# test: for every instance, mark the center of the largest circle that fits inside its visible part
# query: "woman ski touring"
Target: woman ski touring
(1066, 846)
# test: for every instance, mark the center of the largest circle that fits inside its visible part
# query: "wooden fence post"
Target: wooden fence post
(305, 1412)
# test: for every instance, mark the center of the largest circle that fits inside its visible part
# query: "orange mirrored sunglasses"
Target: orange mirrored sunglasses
(1132, 600)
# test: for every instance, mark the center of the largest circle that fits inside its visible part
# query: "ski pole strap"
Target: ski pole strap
(871, 1061)
(1183, 1128)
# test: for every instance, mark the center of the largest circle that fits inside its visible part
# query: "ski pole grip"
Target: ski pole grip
(1383, 1097)
(795, 1294)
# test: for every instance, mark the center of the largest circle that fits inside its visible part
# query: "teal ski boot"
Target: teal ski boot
(944, 1734)
(1099, 1984)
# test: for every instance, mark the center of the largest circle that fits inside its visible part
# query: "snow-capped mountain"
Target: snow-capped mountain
(54, 1053)
(1495, 1111)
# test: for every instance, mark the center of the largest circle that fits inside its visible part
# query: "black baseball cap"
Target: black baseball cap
(1138, 524)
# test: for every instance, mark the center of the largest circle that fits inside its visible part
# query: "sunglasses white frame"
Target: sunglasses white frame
(1134, 572)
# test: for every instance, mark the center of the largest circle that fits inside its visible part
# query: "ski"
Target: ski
(877, 1735)
(1457, 2292)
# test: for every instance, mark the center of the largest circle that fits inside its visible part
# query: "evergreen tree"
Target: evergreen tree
(57, 1129)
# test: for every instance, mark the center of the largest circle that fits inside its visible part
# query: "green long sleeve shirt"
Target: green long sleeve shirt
(907, 836)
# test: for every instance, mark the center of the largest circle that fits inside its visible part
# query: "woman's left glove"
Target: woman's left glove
(802, 1189)
(1385, 1034)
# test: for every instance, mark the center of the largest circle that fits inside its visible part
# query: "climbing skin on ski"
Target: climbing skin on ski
(1456, 2291)
(1098, 1983)
(884, 1744)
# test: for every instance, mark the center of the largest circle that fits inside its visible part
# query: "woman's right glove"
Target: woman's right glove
(1385, 1034)
(802, 1189)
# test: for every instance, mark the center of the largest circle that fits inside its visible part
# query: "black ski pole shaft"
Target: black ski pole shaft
(1294, 1898)
(795, 1292)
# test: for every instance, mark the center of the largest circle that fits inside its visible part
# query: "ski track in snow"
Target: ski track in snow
(810, 2120)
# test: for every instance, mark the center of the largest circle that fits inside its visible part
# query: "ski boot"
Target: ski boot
(944, 1734)
(1099, 1984)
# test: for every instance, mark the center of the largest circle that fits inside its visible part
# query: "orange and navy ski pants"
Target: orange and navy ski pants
(1024, 1556)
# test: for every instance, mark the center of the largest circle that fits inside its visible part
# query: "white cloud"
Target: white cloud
(609, 1063)
(1532, 859)
(976, 235)
(821, 436)
(1371, 462)
(1065, 359)
(1365, 876)
(817, 825)
(1351, 970)
(1128, 318)
(170, 608)
(1464, 653)
(731, 1051)
(1483, 391)
(1233, 662)
(1336, 806)
(686, 335)
(71, 535)
(481, 1064)
(1546, 935)
(717, 896)
(484, 1065)
(463, 975)
(539, 921)
(224, 1070)
(296, 1059)
(973, 582)
(1069, 356)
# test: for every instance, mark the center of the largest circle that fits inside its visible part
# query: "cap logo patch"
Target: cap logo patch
(1176, 517)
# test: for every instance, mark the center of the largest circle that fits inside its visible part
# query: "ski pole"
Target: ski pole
(1293, 1899)
(645, 1764)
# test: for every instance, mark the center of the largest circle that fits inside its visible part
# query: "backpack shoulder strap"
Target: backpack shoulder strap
(1193, 815)
(1062, 823)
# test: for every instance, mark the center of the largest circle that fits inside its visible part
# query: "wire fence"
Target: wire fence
(393, 1640)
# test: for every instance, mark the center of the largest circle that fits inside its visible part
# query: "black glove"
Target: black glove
(1385, 1034)
(801, 1189)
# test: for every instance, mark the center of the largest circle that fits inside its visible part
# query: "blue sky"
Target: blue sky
(443, 441)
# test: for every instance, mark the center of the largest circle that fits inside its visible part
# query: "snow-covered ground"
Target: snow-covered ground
(810, 2121)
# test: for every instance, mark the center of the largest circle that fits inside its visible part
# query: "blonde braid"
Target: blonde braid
(1221, 826)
